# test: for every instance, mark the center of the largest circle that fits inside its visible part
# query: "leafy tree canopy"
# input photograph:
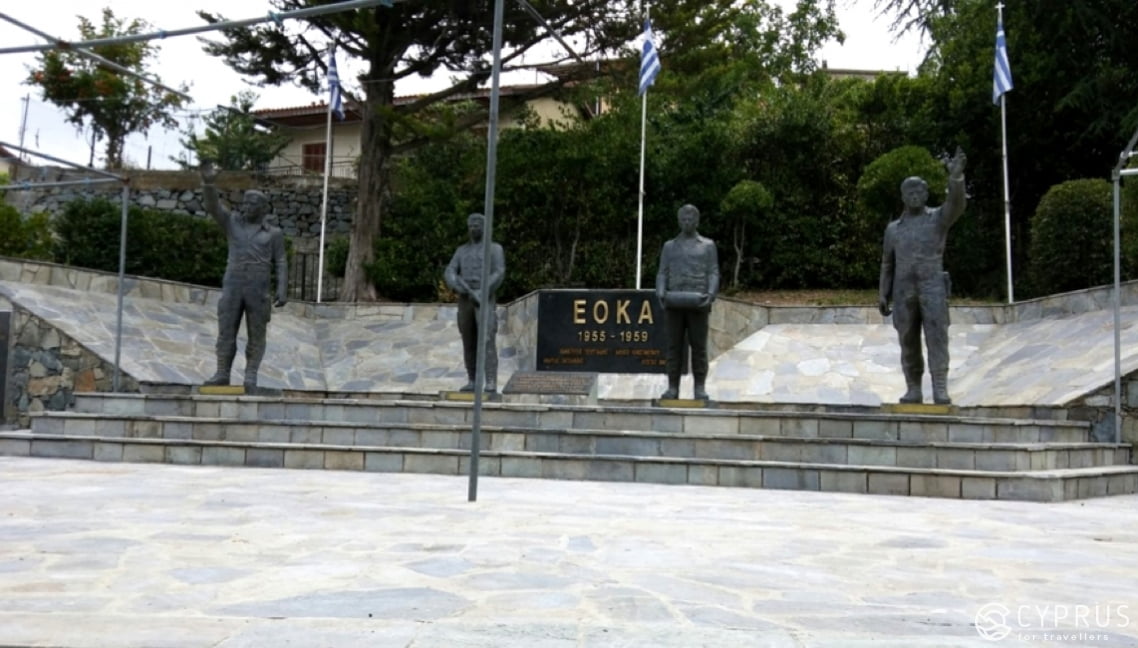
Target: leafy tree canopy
(232, 139)
(112, 103)
(423, 38)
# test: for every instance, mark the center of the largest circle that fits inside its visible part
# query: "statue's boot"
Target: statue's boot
(912, 395)
(469, 386)
(940, 389)
(673, 390)
(254, 353)
(700, 391)
(224, 367)
(913, 376)
(491, 384)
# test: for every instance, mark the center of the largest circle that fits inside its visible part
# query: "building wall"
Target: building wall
(345, 147)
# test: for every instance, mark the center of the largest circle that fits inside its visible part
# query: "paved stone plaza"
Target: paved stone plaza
(143, 555)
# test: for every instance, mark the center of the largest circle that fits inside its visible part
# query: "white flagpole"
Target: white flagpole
(640, 197)
(640, 210)
(1007, 198)
(324, 205)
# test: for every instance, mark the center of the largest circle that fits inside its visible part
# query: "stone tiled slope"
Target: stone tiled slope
(1047, 352)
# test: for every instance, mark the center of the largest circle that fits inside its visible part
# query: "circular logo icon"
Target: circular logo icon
(992, 622)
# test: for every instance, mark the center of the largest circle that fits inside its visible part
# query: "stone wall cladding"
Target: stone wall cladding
(296, 202)
(46, 368)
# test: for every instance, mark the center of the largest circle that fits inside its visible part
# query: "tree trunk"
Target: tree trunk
(373, 196)
(738, 245)
(115, 141)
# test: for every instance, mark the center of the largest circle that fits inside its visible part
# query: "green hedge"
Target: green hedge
(28, 238)
(177, 247)
(1072, 237)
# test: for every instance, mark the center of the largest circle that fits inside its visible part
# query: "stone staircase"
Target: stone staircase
(878, 452)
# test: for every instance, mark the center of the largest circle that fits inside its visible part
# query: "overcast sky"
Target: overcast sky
(180, 60)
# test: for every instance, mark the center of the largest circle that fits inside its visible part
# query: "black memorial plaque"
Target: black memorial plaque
(601, 331)
(547, 382)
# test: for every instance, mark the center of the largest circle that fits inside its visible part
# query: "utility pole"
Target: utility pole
(24, 125)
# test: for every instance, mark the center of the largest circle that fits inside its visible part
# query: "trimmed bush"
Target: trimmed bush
(879, 202)
(177, 247)
(28, 238)
(1072, 237)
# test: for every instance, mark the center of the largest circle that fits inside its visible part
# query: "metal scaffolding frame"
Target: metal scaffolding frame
(105, 176)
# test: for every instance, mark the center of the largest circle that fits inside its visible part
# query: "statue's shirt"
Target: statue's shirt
(250, 245)
(469, 264)
(917, 243)
(688, 264)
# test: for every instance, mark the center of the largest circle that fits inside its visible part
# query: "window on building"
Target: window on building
(312, 157)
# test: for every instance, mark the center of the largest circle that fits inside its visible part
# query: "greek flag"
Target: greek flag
(649, 60)
(334, 101)
(1002, 77)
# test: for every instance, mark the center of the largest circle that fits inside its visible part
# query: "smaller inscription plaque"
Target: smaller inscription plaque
(545, 382)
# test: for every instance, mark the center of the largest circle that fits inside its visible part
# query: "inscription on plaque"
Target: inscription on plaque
(5, 326)
(546, 382)
(602, 331)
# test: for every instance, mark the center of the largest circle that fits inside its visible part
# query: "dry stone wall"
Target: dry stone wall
(296, 201)
(46, 368)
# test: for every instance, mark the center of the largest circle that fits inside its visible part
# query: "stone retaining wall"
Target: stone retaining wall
(296, 201)
(46, 368)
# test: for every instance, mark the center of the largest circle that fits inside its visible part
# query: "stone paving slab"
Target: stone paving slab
(129, 555)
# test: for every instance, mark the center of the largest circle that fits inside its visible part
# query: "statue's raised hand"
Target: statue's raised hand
(956, 164)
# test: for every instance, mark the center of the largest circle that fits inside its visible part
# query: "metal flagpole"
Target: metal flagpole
(1117, 311)
(1007, 197)
(487, 242)
(324, 205)
(1118, 172)
(1004, 143)
(122, 285)
(640, 197)
(643, 140)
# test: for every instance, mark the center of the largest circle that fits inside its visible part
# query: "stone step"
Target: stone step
(1041, 486)
(880, 425)
(820, 450)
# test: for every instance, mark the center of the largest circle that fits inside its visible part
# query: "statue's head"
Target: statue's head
(254, 206)
(474, 226)
(688, 217)
(914, 192)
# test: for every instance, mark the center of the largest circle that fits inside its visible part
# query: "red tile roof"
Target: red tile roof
(319, 109)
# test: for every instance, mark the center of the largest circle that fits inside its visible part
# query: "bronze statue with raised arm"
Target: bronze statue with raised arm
(256, 249)
(913, 278)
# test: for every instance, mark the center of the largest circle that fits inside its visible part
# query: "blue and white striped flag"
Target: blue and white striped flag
(335, 103)
(649, 60)
(1002, 77)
